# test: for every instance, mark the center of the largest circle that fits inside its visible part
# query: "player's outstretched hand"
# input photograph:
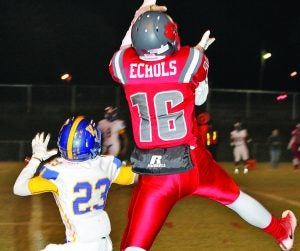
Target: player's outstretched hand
(151, 5)
(205, 41)
(39, 147)
(147, 6)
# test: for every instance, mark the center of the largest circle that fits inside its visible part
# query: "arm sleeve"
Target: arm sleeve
(201, 92)
(125, 176)
(115, 66)
(26, 184)
(21, 185)
(39, 185)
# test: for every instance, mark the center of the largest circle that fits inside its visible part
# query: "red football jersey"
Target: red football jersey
(161, 95)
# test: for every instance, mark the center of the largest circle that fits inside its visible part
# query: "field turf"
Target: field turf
(194, 224)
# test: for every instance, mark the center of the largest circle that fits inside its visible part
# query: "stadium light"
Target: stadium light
(281, 97)
(66, 77)
(264, 55)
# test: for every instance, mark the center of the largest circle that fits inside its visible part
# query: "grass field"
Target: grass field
(195, 224)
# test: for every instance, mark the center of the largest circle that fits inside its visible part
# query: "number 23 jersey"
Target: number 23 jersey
(161, 95)
(80, 193)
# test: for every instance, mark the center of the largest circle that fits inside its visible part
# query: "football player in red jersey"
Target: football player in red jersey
(294, 146)
(163, 81)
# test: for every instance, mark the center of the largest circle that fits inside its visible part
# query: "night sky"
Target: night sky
(39, 40)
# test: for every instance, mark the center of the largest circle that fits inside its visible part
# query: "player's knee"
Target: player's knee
(134, 249)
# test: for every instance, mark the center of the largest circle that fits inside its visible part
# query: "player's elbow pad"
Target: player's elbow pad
(201, 93)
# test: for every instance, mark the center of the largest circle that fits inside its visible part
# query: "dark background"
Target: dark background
(40, 40)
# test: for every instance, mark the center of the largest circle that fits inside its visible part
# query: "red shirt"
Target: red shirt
(161, 95)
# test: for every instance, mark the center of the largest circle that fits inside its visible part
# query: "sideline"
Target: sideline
(277, 198)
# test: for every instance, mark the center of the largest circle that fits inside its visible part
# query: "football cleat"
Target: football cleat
(246, 170)
(236, 171)
(289, 222)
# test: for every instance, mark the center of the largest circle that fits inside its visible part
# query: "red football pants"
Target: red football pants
(154, 196)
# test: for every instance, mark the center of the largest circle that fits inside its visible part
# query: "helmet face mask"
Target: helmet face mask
(79, 139)
(155, 33)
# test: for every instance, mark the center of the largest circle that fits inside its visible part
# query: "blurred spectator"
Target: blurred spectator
(239, 139)
(274, 143)
(115, 139)
(208, 134)
(294, 146)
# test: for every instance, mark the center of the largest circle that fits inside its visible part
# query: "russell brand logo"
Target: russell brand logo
(156, 161)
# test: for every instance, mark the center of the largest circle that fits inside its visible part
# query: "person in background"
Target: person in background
(163, 81)
(208, 134)
(274, 143)
(294, 146)
(239, 139)
(79, 180)
(113, 129)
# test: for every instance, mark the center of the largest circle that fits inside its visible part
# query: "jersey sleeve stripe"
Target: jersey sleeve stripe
(186, 66)
(198, 62)
(49, 174)
(192, 65)
(126, 176)
(38, 185)
(117, 162)
(118, 66)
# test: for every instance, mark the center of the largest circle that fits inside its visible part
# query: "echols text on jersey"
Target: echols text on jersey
(161, 69)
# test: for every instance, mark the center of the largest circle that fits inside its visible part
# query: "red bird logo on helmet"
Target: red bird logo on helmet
(171, 31)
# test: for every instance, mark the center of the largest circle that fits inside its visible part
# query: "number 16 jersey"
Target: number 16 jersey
(161, 95)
